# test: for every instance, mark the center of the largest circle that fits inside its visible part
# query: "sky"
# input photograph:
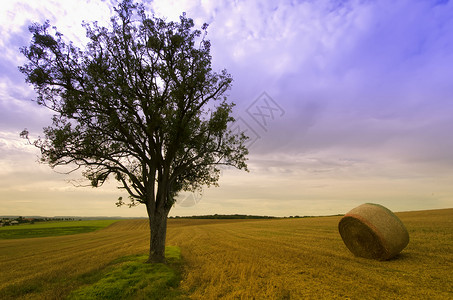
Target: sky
(345, 102)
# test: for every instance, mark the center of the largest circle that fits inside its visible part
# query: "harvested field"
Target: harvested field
(245, 259)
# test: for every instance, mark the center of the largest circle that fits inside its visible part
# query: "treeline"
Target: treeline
(216, 216)
(238, 216)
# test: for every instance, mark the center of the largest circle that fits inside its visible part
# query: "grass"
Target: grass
(52, 267)
(46, 229)
(131, 278)
(237, 259)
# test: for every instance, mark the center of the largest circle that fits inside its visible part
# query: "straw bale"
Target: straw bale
(373, 231)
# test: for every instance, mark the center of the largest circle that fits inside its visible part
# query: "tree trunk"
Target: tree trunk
(158, 233)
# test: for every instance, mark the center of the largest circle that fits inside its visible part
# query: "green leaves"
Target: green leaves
(141, 102)
(38, 76)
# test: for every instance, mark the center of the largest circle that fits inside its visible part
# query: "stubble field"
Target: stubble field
(244, 259)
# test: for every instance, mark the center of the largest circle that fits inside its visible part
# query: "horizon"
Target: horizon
(194, 216)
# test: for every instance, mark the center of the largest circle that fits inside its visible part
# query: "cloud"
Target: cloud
(365, 87)
(365, 76)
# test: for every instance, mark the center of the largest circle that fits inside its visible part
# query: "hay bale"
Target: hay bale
(372, 231)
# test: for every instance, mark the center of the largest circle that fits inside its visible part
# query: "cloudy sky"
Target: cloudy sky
(345, 102)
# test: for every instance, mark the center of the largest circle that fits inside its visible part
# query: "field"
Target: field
(243, 259)
(50, 228)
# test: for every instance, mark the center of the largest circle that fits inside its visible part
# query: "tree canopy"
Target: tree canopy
(140, 103)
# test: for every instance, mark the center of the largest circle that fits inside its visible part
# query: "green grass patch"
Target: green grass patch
(131, 277)
(52, 229)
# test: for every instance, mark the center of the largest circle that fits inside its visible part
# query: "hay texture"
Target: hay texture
(372, 231)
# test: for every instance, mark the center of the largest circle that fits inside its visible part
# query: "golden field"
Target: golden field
(245, 259)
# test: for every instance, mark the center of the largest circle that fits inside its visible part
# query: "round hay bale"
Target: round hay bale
(373, 231)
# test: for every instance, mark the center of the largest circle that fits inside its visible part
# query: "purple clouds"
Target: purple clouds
(365, 86)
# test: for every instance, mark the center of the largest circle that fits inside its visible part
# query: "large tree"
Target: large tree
(140, 103)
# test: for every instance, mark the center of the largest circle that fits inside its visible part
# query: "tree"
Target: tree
(141, 104)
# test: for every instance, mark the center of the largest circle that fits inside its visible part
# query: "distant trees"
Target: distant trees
(216, 216)
(30, 220)
(141, 104)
